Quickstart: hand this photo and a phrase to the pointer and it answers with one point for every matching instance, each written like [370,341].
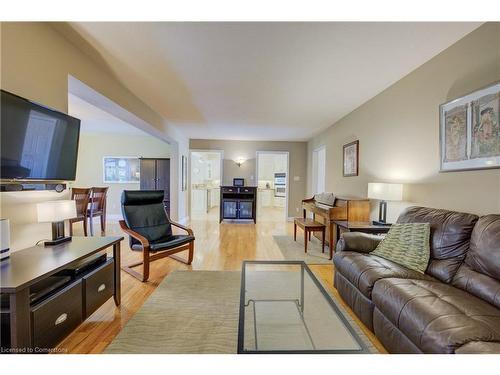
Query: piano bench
[309,226]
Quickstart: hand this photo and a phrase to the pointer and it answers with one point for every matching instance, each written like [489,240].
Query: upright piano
[343,208]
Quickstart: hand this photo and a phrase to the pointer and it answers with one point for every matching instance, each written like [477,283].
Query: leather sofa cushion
[357,241]
[436,317]
[449,240]
[480,274]
[484,253]
[173,241]
[364,270]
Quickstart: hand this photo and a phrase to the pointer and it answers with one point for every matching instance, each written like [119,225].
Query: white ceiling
[95,120]
[255,81]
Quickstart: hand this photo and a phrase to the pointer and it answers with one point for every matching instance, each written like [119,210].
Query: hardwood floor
[217,247]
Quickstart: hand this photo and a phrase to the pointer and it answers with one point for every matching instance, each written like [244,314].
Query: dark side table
[26,267]
[359,226]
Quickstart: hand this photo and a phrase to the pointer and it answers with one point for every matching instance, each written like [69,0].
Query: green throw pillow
[407,245]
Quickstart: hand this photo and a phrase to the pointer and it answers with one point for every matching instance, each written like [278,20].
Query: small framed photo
[351,159]
[121,170]
[469,131]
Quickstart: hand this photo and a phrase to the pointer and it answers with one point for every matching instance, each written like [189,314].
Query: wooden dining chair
[81,196]
[97,207]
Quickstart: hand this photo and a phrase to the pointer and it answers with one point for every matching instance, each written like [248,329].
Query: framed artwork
[184,173]
[121,170]
[351,159]
[470,131]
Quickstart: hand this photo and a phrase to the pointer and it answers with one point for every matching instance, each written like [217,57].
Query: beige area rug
[294,250]
[191,312]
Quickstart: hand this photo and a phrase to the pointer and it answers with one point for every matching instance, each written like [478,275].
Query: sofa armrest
[357,241]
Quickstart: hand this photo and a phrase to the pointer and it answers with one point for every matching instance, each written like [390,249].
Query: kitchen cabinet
[266,197]
[279,202]
[199,200]
[214,197]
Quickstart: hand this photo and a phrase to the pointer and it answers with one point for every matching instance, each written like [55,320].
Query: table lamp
[56,212]
[384,192]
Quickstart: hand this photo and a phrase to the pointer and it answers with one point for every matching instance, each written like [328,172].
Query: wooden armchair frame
[148,256]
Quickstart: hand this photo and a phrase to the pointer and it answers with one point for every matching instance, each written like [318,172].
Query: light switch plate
[296,178]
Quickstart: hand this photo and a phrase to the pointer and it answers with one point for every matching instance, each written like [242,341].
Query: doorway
[272,185]
[319,170]
[206,172]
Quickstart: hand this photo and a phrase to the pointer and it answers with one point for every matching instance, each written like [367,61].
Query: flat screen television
[37,143]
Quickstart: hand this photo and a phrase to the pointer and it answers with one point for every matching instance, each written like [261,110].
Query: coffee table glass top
[285,309]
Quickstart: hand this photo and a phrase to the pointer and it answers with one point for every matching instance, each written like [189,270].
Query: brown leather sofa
[453,308]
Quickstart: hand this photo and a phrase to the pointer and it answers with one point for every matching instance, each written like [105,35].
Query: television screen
[37,143]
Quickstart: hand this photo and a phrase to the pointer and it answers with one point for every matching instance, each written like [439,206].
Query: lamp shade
[54,211]
[385,192]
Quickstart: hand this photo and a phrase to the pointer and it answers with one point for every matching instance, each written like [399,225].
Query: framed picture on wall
[184,173]
[121,170]
[351,159]
[469,131]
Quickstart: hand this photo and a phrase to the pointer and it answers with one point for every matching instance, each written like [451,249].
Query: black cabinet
[56,317]
[238,203]
[155,175]
[44,296]
[230,209]
[245,209]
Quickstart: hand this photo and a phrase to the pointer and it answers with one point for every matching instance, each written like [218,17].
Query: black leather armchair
[150,230]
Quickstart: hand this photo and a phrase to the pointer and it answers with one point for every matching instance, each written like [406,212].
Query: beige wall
[94,147]
[248,149]
[247,170]
[398,132]
[36,62]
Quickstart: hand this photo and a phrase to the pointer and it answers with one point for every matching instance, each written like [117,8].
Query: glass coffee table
[285,309]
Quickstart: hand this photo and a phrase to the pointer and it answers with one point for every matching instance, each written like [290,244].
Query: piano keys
[343,208]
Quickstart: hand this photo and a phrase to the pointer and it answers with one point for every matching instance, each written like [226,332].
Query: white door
[319,170]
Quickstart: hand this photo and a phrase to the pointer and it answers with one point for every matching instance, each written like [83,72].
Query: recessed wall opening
[206,176]
[272,193]
[113,156]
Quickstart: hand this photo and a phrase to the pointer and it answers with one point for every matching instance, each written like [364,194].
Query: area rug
[294,250]
[191,312]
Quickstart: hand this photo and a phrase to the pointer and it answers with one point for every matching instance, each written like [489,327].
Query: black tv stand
[48,291]
[238,203]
